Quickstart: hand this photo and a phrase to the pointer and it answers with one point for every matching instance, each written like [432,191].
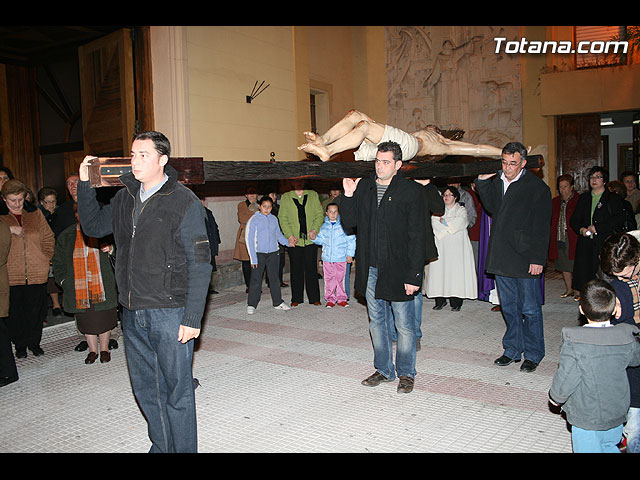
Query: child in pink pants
[338,248]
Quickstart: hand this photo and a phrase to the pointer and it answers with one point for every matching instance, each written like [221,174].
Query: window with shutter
[595,41]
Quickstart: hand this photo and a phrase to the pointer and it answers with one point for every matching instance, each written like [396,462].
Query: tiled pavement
[290,382]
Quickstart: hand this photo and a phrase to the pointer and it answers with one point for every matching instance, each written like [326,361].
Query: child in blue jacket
[338,249]
[262,235]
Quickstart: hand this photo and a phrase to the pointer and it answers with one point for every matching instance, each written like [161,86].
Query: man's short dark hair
[160,142]
[619,251]
[392,147]
[598,300]
[512,148]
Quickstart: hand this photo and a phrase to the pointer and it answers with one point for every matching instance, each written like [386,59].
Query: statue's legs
[339,130]
[360,132]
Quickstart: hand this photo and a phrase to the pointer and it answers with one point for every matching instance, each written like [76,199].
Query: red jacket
[571,234]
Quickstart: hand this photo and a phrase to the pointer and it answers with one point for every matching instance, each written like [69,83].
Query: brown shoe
[496,309]
[405,385]
[105,356]
[374,380]
[92,357]
[317,303]
[294,304]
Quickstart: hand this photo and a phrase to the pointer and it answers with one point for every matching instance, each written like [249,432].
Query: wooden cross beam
[194,171]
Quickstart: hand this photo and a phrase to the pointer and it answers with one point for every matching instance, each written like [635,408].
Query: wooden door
[108,94]
[579,147]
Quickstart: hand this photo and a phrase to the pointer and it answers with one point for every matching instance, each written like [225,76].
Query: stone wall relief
[451,77]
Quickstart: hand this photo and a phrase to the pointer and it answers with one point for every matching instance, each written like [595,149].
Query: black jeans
[304,273]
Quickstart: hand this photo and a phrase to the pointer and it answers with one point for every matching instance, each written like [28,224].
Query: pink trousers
[334,273]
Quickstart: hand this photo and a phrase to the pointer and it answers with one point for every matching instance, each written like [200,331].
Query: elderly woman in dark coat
[82,268]
[598,214]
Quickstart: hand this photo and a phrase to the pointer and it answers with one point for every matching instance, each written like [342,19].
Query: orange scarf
[86,269]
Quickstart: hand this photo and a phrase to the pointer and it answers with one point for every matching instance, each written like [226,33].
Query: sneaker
[283,306]
[330,304]
[343,304]
[251,310]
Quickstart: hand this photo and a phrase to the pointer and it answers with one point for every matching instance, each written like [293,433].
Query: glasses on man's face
[511,164]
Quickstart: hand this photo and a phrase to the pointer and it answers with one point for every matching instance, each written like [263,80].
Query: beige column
[171,86]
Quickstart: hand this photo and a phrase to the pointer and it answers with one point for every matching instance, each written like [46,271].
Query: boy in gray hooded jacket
[591,383]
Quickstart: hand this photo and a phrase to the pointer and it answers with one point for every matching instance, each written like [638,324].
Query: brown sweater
[30,255]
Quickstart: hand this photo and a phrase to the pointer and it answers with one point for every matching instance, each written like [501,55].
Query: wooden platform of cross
[196,171]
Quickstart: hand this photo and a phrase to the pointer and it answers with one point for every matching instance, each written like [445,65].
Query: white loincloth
[408,144]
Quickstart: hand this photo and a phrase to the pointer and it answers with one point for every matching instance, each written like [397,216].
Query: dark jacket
[520,225]
[433,205]
[63,272]
[623,292]
[392,235]
[162,262]
[591,380]
[608,218]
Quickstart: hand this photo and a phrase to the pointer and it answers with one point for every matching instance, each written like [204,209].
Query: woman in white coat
[453,274]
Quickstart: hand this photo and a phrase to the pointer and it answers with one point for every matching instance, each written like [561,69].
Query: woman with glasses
[620,259]
[598,214]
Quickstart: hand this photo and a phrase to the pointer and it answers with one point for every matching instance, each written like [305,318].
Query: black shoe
[503,361]
[528,366]
[113,345]
[22,353]
[439,306]
[82,346]
[455,309]
[37,351]
[57,313]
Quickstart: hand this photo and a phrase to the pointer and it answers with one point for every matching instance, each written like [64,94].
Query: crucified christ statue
[356,129]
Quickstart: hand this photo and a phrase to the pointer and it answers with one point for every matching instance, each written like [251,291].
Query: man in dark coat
[520,205]
[388,211]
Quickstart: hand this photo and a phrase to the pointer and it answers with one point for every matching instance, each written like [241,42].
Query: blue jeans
[347,286]
[417,304]
[521,300]
[161,377]
[379,328]
[596,441]
[632,430]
